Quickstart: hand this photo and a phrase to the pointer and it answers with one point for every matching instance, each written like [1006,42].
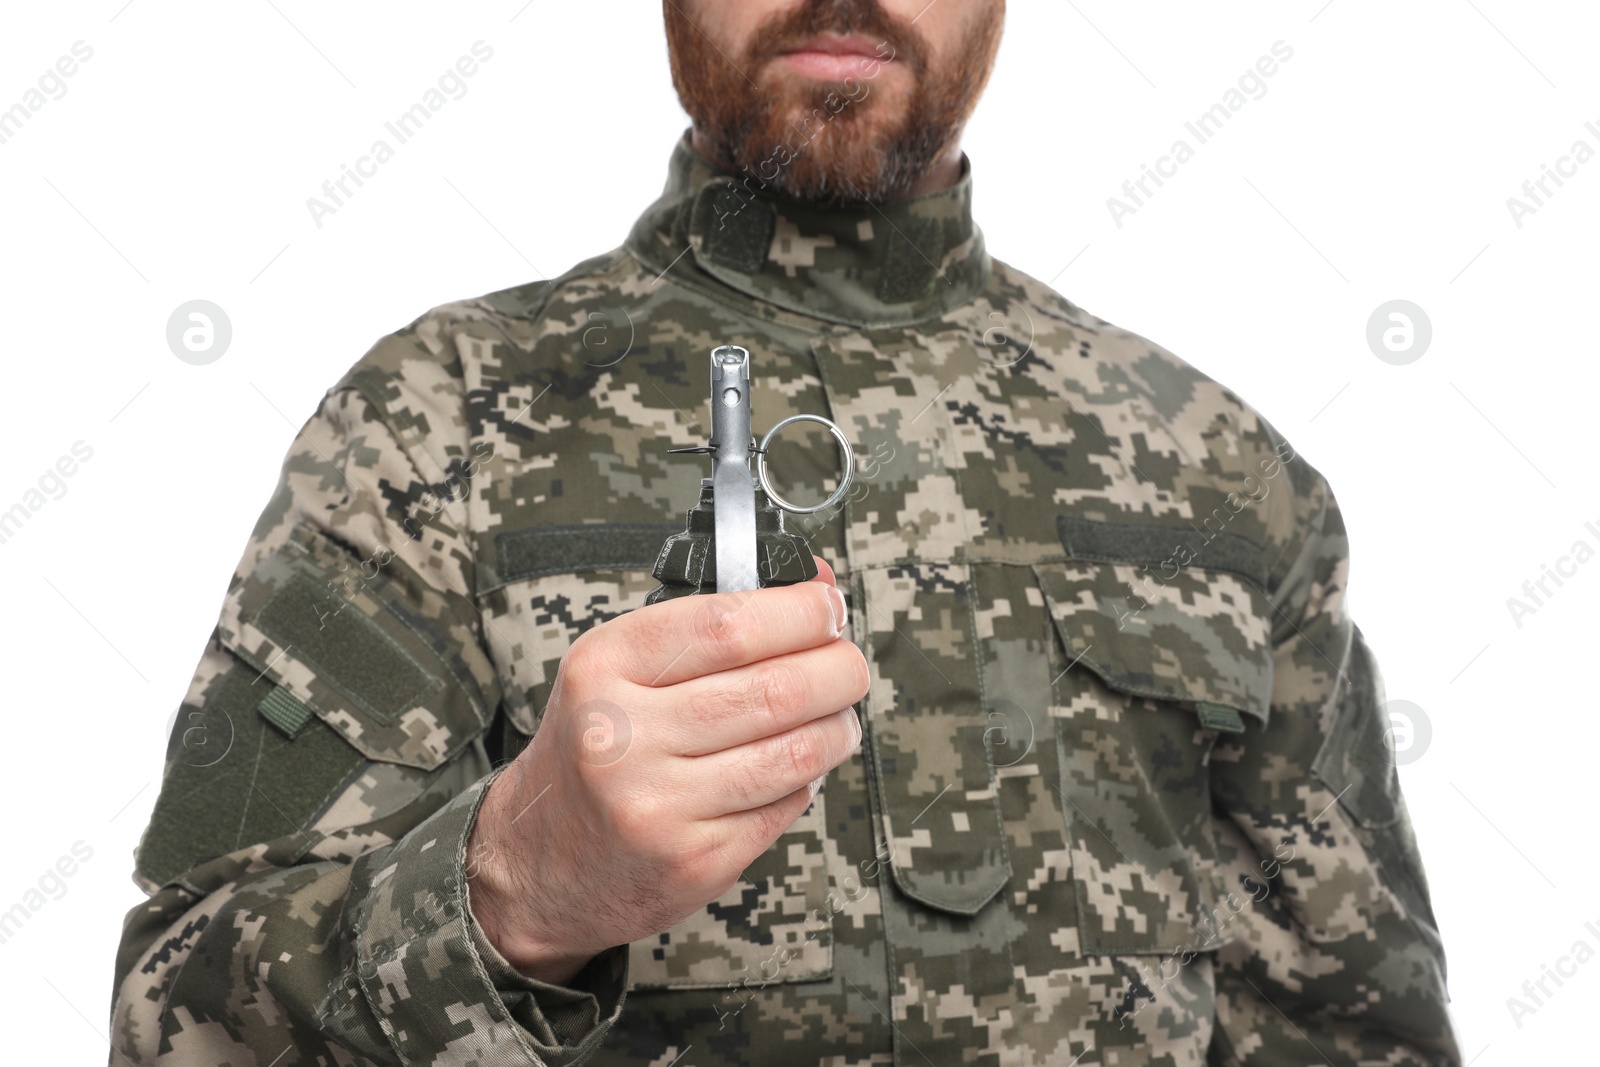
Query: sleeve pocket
[364,658]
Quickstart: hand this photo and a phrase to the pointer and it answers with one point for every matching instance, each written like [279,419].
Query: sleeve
[306,858]
[1338,958]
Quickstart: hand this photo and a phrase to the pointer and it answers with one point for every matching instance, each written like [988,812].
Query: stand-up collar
[870,266]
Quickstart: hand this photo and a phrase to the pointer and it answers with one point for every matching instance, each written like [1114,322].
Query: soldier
[445,791]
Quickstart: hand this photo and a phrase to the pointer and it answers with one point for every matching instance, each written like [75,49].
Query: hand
[679,742]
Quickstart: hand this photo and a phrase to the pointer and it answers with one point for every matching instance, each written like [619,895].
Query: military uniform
[1123,795]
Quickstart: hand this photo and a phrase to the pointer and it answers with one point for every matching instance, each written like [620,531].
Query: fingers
[736,707]
[757,774]
[824,572]
[666,643]
[742,836]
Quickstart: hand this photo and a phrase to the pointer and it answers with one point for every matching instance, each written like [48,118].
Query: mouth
[830,57]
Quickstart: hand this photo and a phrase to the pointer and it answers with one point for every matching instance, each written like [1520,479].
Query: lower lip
[831,66]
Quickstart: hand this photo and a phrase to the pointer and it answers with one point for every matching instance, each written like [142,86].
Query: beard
[836,142]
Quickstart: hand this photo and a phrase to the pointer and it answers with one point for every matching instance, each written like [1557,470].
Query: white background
[1377,166]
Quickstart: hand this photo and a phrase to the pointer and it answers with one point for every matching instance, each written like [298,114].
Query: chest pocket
[554,583]
[1155,660]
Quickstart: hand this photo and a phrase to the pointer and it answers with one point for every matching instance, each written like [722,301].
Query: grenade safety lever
[734,537]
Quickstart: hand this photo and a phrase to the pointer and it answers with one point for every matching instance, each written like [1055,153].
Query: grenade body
[687,563]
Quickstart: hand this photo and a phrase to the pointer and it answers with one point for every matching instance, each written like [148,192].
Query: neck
[945,172]
[942,173]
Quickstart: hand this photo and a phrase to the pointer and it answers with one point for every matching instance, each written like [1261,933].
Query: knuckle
[796,757]
[637,823]
[803,756]
[699,718]
[720,627]
[583,658]
[746,785]
[779,816]
[780,691]
[768,824]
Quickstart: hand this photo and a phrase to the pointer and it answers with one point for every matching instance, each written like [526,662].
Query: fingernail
[839,616]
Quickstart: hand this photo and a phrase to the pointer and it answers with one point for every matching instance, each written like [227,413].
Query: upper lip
[832,44]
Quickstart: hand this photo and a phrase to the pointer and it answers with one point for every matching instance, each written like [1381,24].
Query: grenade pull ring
[847,458]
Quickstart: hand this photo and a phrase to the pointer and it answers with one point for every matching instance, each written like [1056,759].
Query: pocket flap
[354,650]
[1197,631]
[927,736]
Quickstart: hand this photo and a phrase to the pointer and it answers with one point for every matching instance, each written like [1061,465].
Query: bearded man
[1070,753]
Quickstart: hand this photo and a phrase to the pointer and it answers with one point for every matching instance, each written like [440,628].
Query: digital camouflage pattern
[1124,795]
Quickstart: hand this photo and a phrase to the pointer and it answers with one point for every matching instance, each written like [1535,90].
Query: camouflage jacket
[1124,794]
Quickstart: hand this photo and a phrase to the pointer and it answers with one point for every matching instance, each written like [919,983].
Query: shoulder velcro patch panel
[354,651]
